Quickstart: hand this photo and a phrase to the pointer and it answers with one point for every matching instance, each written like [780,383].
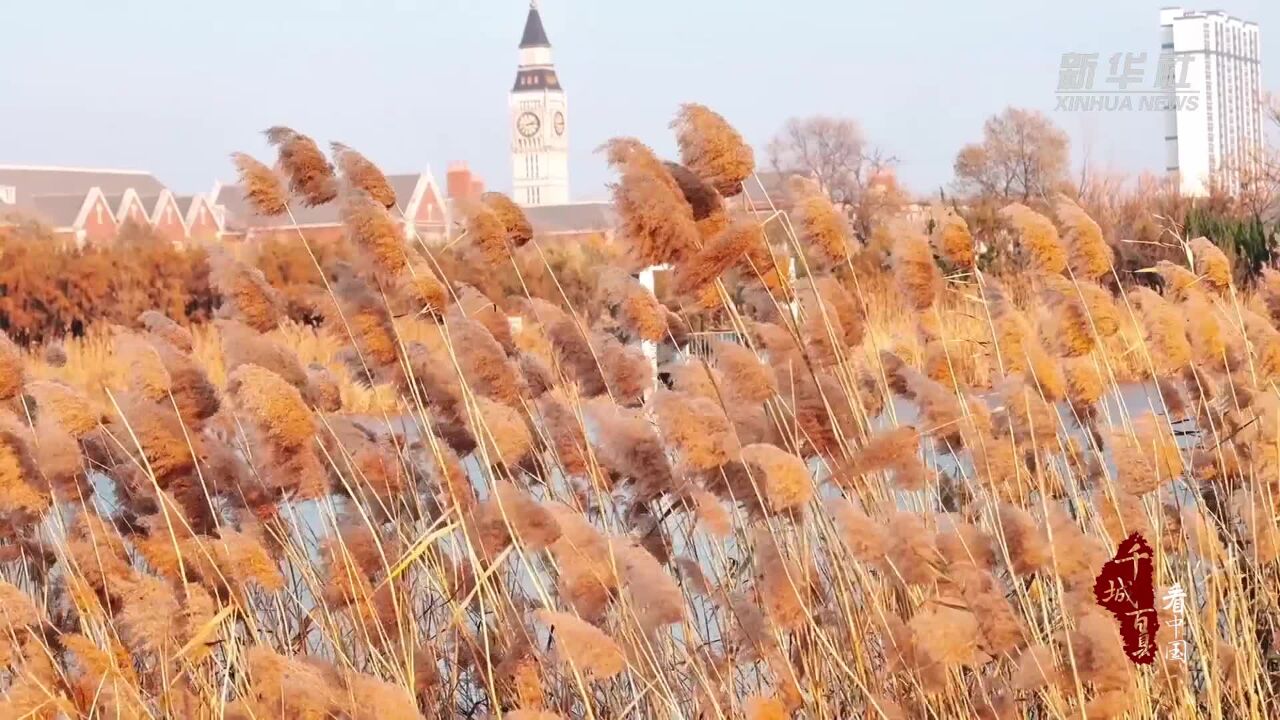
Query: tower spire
[534,34]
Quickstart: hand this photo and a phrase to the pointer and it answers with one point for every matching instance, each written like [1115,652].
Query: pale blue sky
[173,87]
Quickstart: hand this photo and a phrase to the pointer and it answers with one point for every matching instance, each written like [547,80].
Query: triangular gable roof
[189,206]
[121,203]
[425,184]
[91,199]
[158,204]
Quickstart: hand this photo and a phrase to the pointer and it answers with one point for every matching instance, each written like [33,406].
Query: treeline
[49,289]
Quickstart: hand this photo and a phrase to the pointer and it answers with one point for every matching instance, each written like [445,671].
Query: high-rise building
[539,122]
[1211,64]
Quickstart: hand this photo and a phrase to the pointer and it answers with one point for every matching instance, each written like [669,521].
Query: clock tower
[539,117]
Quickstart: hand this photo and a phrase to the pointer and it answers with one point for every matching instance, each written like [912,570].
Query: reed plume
[1088,255]
[1097,305]
[1145,457]
[786,483]
[242,345]
[361,174]
[246,294]
[897,451]
[588,574]
[1166,330]
[500,430]
[262,187]
[867,539]
[638,312]
[486,235]
[951,239]
[823,229]
[746,378]
[1039,239]
[627,443]
[655,596]
[371,228]
[422,290]
[519,230]
[916,275]
[712,149]
[483,363]
[656,223]
[275,405]
[372,330]
[310,174]
[63,404]
[707,204]
[723,251]
[1211,264]
[582,647]
[160,326]
[627,371]
[696,428]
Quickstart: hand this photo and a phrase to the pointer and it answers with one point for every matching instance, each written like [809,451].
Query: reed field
[865,479]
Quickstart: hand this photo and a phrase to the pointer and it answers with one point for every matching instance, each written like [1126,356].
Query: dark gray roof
[580,217]
[537,79]
[404,185]
[239,215]
[33,181]
[56,211]
[534,34]
[184,203]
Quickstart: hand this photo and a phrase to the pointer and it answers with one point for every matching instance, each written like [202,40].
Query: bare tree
[834,152]
[1022,155]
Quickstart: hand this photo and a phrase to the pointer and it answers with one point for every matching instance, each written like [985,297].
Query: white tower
[539,116]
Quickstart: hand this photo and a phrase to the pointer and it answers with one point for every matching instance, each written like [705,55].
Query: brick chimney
[458,182]
[477,187]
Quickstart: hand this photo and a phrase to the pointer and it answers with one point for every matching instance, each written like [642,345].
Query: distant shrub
[48,290]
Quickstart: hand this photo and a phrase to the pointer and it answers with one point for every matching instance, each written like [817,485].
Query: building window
[8,194]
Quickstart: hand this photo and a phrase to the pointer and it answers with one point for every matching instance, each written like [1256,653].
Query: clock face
[527,124]
[558,123]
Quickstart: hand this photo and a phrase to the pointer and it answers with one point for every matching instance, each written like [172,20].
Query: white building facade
[539,122]
[1213,124]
